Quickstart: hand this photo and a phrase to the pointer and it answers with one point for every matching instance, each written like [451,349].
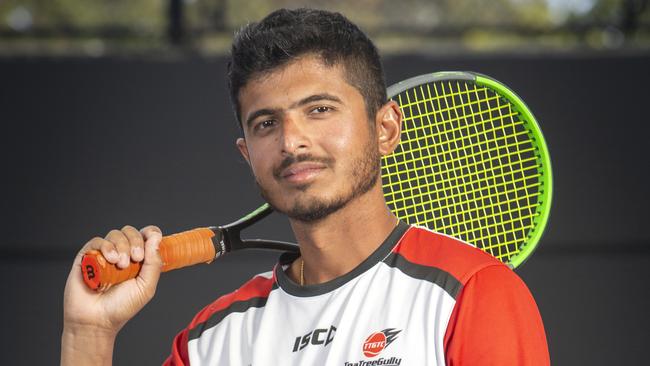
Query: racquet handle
[176,251]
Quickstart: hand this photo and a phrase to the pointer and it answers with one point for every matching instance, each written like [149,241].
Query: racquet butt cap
[90,268]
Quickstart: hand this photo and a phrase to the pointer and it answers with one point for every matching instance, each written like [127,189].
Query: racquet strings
[467,166]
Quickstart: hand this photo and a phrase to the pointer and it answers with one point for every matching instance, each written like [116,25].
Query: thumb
[152,265]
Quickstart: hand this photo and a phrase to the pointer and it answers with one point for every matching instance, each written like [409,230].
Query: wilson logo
[376,342]
[322,336]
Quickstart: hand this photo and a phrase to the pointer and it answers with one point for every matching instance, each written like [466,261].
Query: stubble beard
[363,175]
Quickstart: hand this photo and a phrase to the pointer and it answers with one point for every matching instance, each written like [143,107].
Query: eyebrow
[302,102]
[316,98]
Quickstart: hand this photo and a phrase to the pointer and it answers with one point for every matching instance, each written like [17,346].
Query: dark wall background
[90,145]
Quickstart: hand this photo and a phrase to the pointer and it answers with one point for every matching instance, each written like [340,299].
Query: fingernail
[155,243]
[112,256]
[124,260]
[137,252]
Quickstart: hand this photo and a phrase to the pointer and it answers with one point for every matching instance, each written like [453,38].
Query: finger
[136,242]
[150,271]
[150,230]
[122,246]
[107,249]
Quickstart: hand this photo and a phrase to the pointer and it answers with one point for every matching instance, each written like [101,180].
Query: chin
[307,207]
[314,210]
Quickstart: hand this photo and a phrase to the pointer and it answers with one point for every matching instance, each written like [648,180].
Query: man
[308,90]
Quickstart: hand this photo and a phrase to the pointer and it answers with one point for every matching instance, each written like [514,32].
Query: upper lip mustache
[299,167]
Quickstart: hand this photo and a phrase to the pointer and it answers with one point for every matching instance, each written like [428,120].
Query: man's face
[308,139]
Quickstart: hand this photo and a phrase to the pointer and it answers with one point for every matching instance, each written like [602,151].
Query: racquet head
[472,163]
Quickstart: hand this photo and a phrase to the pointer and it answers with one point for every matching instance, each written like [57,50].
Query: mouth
[302,173]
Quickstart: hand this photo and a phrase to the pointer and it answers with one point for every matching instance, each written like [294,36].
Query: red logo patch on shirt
[376,342]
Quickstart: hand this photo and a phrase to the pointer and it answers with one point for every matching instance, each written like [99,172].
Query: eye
[321,109]
[265,124]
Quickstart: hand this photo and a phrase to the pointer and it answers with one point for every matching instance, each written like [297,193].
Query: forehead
[300,78]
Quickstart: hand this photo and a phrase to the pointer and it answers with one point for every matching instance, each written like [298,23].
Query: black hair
[284,35]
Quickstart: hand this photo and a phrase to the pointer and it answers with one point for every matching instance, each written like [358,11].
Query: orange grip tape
[176,251]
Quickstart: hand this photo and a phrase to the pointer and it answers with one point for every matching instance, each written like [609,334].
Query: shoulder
[496,295]
[457,258]
[252,294]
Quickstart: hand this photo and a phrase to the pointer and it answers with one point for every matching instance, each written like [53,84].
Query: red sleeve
[495,322]
[179,355]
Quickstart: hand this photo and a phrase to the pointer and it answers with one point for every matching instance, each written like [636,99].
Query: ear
[243,149]
[389,127]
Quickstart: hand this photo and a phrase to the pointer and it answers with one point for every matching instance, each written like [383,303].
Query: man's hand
[93,319]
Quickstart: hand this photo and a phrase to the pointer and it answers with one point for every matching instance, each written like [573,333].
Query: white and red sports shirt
[421,298]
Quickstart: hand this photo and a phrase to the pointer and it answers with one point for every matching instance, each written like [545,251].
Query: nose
[294,136]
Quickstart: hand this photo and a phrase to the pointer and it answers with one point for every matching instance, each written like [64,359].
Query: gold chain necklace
[302,264]
[302,272]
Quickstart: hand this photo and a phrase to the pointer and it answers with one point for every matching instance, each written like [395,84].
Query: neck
[336,244]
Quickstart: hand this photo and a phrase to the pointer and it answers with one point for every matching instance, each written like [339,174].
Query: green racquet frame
[472,164]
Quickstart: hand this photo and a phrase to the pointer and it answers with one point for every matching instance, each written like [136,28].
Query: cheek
[342,138]
[260,162]
[350,138]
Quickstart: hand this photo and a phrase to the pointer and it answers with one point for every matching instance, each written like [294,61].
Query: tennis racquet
[472,163]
